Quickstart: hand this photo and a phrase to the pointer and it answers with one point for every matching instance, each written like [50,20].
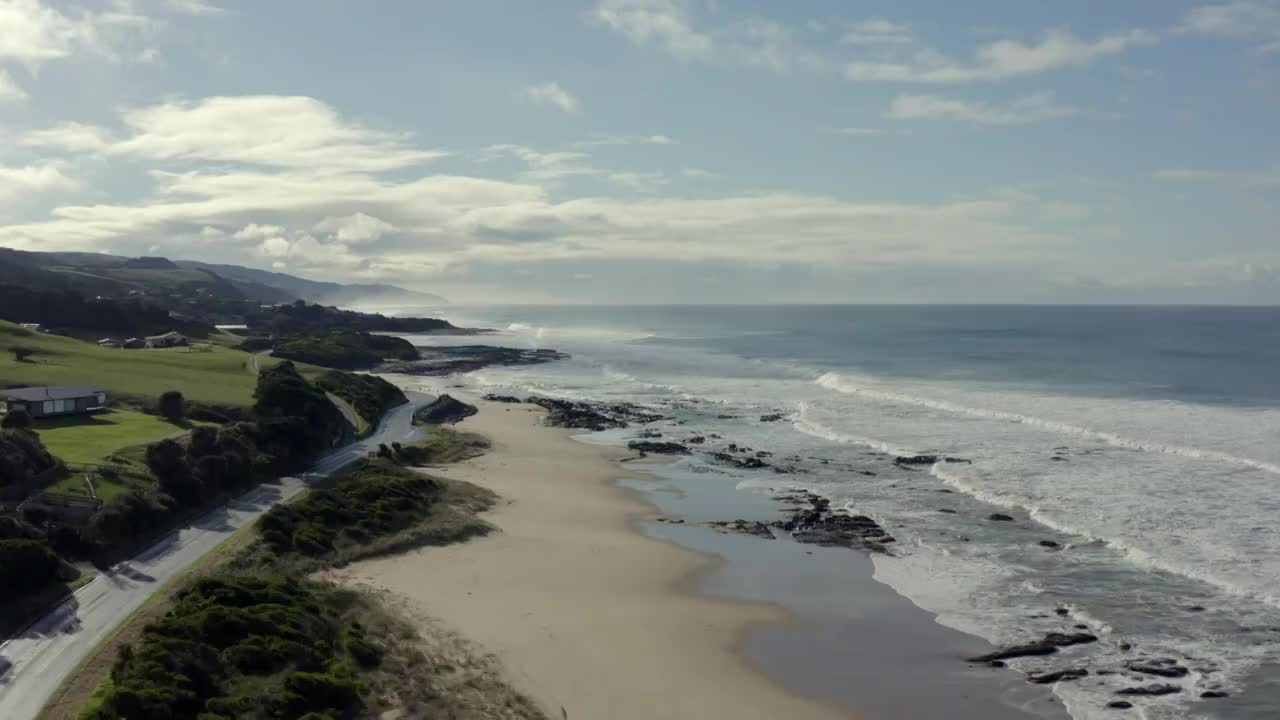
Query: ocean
[1143,441]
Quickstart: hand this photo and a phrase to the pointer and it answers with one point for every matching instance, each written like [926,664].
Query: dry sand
[585,613]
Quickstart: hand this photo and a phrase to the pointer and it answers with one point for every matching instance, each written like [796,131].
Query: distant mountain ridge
[325,293]
[93,274]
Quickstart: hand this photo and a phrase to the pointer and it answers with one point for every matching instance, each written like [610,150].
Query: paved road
[35,663]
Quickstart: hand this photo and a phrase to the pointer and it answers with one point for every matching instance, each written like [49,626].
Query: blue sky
[660,150]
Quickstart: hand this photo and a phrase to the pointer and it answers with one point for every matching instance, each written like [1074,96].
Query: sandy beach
[587,615]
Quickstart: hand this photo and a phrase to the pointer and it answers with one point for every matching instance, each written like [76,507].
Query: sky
[660,151]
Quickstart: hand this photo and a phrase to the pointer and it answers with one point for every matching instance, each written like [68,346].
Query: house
[167,340]
[73,509]
[108,343]
[33,327]
[54,400]
[134,344]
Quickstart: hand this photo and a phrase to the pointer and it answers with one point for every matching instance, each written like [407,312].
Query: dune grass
[214,375]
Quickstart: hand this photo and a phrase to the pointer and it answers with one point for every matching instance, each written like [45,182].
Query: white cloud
[1028,109]
[639,181]
[355,229]
[661,22]
[266,130]
[767,44]
[1254,20]
[41,177]
[69,137]
[551,93]
[876,32]
[254,231]
[193,7]
[697,173]
[9,90]
[34,32]
[603,140]
[1000,60]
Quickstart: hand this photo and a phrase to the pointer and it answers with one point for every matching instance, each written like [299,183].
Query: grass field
[215,375]
[89,439]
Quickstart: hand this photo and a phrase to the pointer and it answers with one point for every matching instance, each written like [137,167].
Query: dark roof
[51,392]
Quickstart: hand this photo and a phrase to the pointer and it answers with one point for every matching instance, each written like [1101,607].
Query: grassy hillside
[217,375]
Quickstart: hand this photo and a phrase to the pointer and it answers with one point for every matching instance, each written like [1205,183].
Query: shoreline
[588,613]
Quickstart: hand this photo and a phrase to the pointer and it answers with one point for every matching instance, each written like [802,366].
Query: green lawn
[216,375]
[89,439]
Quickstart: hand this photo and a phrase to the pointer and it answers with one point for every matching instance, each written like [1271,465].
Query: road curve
[37,661]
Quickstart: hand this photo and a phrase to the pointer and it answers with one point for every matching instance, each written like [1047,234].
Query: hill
[325,293]
[214,375]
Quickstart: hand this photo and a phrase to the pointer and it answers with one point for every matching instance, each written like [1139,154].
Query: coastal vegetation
[345,351]
[441,445]
[370,396]
[256,637]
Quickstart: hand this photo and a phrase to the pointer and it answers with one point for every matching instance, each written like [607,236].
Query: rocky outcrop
[772,417]
[445,409]
[1058,676]
[436,361]
[745,527]
[743,463]
[1046,646]
[928,460]
[1000,517]
[502,398]
[592,416]
[658,448]
[1162,667]
[1151,690]
[818,525]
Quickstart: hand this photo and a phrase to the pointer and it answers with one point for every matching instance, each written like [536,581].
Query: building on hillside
[134,344]
[54,400]
[108,343]
[72,509]
[33,327]
[167,340]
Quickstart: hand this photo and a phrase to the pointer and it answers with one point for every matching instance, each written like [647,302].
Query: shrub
[16,420]
[173,406]
[26,566]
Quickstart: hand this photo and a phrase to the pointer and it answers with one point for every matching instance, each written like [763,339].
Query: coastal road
[35,662]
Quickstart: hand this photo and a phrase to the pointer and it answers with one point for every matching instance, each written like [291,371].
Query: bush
[23,457]
[26,566]
[16,420]
[370,395]
[173,406]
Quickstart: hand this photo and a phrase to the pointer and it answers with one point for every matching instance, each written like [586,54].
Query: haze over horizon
[660,150]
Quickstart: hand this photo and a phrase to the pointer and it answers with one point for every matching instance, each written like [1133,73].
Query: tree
[173,406]
[22,353]
[16,420]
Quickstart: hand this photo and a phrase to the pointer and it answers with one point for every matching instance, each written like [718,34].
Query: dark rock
[1062,611]
[998,663]
[775,417]
[916,460]
[444,409]
[726,417]
[745,463]
[696,440]
[1213,694]
[1000,517]
[1151,690]
[1163,667]
[1046,646]
[1049,544]
[948,511]
[746,527]
[1119,704]
[592,416]
[449,359]
[502,398]
[1126,647]
[868,473]
[1197,608]
[1059,676]
[650,434]
[1058,458]
[1080,626]
[659,448]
